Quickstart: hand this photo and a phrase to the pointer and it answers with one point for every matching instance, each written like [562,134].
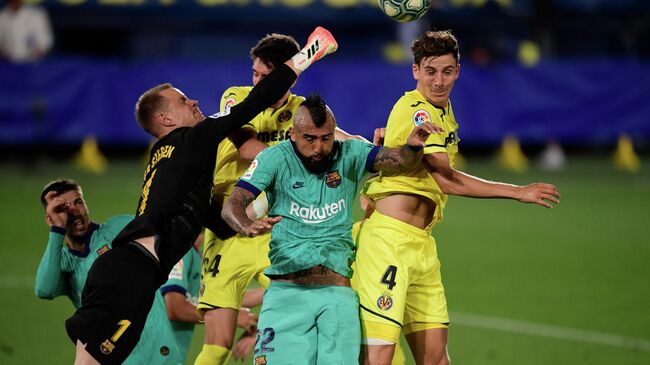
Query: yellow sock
[212,355]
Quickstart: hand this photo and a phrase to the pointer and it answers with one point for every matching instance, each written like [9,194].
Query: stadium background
[525,285]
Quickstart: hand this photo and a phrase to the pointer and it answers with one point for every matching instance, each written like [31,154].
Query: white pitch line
[543,330]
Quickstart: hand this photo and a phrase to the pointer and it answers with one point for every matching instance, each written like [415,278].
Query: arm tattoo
[234,212]
[400,158]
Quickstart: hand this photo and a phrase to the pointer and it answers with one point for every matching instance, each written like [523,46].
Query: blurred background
[549,90]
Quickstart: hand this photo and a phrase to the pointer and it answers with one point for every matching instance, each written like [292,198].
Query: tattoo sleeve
[234,211]
[397,159]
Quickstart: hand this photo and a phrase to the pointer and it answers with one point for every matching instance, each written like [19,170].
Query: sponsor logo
[249,173]
[106,347]
[260,360]
[273,136]
[313,215]
[284,116]
[333,179]
[298,185]
[421,116]
[416,104]
[102,250]
[384,302]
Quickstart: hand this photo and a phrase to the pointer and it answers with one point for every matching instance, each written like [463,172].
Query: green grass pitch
[525,285]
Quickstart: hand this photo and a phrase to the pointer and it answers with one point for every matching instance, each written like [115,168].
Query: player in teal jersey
[74,244]
[181,295]
[310,313]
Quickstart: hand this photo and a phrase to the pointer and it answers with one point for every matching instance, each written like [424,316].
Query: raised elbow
[44,294]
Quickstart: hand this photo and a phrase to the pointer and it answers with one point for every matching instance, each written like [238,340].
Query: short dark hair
[275,49]
[435,43]
[317,109]
[59,186]
[148,104]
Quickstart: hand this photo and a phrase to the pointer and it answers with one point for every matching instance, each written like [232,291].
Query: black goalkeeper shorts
[116,300]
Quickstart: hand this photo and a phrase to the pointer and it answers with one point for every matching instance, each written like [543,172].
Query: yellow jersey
[272,127]
[411,110]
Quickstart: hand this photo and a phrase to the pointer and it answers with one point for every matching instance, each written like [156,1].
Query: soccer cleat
[320,43]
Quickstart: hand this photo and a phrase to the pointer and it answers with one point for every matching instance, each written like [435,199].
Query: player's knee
[439,358]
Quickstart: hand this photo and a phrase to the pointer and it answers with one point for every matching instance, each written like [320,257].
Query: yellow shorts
[397,276]
[229,266]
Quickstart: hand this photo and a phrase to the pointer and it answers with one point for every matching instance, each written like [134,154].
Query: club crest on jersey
[230,102]
[384,302]
[106,347]
[102,250]
[249,173]
[260,360]
[333,179]
[284,116]
[421,116]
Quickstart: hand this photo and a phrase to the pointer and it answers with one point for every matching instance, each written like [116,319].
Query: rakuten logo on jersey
[313,215]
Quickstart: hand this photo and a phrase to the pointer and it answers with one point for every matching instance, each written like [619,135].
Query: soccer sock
[212,355]
[320,43]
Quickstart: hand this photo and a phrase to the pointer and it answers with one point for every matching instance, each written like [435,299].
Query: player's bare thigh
[429,346]
[220,326]
[377,354]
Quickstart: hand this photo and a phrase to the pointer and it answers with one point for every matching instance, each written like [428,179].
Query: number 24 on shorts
[213,266]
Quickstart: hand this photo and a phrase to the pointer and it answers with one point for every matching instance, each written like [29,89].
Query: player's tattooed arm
[409,155]
[397,159]
[234,213]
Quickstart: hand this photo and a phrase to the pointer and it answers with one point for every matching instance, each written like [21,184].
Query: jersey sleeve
[262,172]
[398,126]
[233,96]
[403,118]
[364,155]
[206,135]
[50,282]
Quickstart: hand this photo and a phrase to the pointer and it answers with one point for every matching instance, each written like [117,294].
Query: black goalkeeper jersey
[181,164]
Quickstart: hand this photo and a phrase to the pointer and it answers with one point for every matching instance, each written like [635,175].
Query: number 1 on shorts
[124,324]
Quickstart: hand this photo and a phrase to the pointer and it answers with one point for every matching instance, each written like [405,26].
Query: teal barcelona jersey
[316,209]
[63,271]
[185,278]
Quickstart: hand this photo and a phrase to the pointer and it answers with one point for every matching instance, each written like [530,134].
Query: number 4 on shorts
[214,266]
[389,277]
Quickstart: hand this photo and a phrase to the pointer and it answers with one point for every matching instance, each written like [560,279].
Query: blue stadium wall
[581,103]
